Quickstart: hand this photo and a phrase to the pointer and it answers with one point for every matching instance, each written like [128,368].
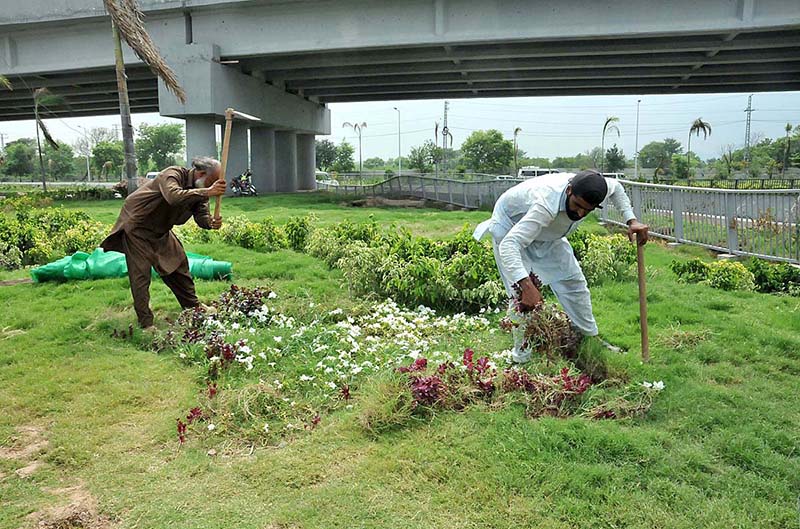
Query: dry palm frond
[5,82]
[42,97]
[128,19]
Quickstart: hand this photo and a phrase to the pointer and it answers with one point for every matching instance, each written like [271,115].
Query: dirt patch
[11,282]
[79,511]
[28,441]
[28,470]
[373,202]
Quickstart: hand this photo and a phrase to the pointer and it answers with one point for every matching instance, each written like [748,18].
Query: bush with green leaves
[774,277]
[730,275]
[607,258]
[297,230]
[264,236]
[10,256]
[726,275]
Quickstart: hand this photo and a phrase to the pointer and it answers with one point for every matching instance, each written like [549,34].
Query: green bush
[84,237]
[607,258]
[769,277]
[691,271]
[10,256]
[730,275]
[297,231]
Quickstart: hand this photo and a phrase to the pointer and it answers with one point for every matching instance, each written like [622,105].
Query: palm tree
[358,129]
[127,24]
[608,126]
[698,126]
[42,97]
[786,151]
[516,164]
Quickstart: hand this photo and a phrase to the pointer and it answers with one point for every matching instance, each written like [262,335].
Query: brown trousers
[139,256]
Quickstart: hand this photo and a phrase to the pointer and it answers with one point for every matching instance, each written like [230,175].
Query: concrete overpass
[284,60]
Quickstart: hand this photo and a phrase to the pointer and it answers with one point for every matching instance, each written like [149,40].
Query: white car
[152,175]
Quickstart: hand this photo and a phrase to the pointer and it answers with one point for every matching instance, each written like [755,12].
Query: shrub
[84,237]
[769,277]
[730,275]
[691,271]
[10,256]
[297,231]
[607,258]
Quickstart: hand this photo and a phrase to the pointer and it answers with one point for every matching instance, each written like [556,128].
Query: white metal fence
[764,223]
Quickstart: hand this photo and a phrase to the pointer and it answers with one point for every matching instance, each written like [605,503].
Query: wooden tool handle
[642,300]
[226,146]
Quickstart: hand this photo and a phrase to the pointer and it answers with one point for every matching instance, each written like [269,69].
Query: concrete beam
[554,63]
[589,90]
[212,87]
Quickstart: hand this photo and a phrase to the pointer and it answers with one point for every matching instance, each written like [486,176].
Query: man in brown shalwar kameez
[143,231]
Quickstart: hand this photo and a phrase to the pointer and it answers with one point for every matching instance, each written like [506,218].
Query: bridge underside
[675,64]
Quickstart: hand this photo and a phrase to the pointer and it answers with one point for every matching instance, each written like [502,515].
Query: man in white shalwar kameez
[529,229]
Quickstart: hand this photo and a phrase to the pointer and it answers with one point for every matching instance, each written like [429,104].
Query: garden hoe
[226,145]
[642,300]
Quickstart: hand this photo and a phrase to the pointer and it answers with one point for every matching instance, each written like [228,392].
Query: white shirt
[537,210]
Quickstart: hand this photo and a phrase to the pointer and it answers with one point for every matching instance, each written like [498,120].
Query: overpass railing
[762,223]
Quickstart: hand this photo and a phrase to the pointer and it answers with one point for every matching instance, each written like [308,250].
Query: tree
[59,161]
[344,158]
[487,151]
[608,126]
[160,143]
[42,98]
[615,159]
[680,166]
[83,145]
[786,149]
[20,156]
[658,155]
[374,163]
[109,155]
[697,127]
[593,158]
[424,156]
[516,150]
[127,24]
[326,154]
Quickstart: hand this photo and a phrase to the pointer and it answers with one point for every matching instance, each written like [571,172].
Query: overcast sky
[551,126]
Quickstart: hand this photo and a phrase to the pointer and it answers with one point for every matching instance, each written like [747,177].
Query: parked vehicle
[152,175]
[242,186]
[532,172]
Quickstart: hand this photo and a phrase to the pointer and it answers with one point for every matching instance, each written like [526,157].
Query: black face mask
[572,214]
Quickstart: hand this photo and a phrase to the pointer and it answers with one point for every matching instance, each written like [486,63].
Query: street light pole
[636,156]
[88,153]
[399,157]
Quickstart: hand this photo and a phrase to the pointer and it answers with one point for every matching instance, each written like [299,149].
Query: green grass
[719,448]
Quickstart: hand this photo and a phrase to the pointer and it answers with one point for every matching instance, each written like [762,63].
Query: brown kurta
[143,233]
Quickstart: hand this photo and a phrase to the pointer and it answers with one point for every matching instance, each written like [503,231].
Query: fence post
[636,199]
[677,213]
[436,190]
[423,186]
[464,188]
[730,222]
[410,190]
[450,191]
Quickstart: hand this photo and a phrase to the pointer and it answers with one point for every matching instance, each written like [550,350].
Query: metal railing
[737,183]
[762,223]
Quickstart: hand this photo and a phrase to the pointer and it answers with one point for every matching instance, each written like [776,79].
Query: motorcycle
[242,186]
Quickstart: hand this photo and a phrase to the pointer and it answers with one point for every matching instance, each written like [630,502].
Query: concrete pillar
[306,162]
[201,137]
[238,153]
[262,158]
[285,161]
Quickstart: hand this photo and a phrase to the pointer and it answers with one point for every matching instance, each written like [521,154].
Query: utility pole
[749,112]
[636,155]
[399,156]
[3,141]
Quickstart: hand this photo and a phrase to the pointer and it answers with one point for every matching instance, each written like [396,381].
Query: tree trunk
[125,114]
[688,156]
[39,146]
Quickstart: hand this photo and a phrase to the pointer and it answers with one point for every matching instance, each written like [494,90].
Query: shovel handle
[642,300]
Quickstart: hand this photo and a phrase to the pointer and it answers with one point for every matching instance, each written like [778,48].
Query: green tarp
[100,265]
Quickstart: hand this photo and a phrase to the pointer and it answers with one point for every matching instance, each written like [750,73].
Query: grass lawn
[719,449]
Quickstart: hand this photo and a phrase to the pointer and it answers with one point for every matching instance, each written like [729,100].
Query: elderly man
[529,228]
[143,231]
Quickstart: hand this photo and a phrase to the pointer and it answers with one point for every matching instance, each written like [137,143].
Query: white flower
[262,355]
[349,406]
[306,378]
[272,295]
[266,427]
[312,305]
[245,349]
[331,385]
[336,311]
[658,386]
[211,427]
[278,338]
[277,383]
[235,326]
[647,384]
[252,330]
[182,355]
